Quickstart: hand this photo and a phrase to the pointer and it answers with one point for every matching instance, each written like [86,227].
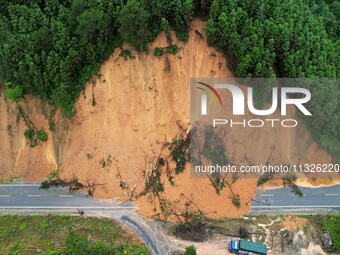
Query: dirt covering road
[138,105]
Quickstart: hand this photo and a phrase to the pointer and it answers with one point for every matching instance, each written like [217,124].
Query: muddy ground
[284,235]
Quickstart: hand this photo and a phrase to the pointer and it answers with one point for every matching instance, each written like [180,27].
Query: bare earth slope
[138,105]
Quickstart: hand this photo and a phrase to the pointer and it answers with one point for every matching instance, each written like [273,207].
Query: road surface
[29,199]
[29,196]
[314,201]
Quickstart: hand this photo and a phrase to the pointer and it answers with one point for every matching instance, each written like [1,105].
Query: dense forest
[51,48]
[296,39]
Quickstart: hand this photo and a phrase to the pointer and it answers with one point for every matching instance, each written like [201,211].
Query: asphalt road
[314,200]
[29,196]
[29,199]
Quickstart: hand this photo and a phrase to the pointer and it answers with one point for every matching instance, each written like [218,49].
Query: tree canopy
[331,224]
[52,48]
[296,39]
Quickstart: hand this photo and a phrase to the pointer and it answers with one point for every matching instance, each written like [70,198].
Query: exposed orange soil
[16,157]
[138,105]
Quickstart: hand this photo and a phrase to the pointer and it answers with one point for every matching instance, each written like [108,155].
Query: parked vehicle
[243,247]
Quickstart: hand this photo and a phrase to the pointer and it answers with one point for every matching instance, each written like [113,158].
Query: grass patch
[332,225]
[65,235]
[12,178]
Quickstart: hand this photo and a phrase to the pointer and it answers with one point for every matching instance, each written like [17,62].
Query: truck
[244,247]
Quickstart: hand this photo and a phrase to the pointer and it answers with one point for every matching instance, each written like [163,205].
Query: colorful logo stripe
[209,92]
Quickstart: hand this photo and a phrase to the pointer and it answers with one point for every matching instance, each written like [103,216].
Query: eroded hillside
[139,104]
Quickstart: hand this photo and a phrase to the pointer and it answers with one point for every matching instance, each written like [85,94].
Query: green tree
[14,93]
[165,25]
[89,25]
[132,19]
[294,39]
[178,13]
[191,250]
[51,48]
[331,224]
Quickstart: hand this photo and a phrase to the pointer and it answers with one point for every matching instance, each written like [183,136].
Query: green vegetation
[218,184]
[42,135]
[64,235]
[236,200]
[32,133]
[158,52]
[52,48]
[104,162]
[153,184]
[53,175]
[132,19]
[191,250]
[264,179]
[29,134]
[290,182]
[331,224]
[14,178]
[55,181]
[73,185]
[50,118]
[179,152]
[14,93]
[290,39]
[168,15]
[173,49]
[126,54]
[11,179]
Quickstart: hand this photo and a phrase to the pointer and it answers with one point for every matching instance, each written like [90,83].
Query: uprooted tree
[73,184]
